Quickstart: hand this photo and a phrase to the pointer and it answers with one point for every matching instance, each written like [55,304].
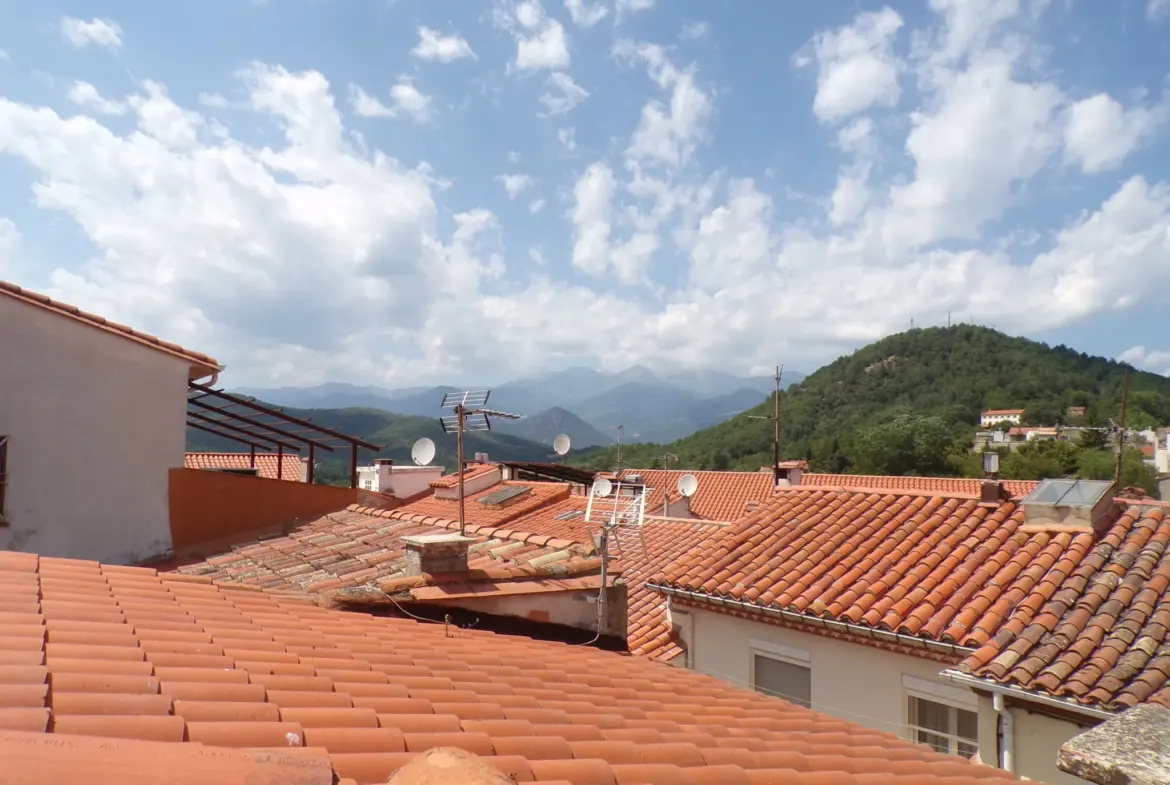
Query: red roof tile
[201,364]
[477,514]
[930,567]
[942,485]
[363,547]
[1097,630]
[267,464]
[538,711]
[472,471]
[721,495]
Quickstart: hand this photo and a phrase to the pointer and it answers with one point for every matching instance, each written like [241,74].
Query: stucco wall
[852,681]
[1036,742]
[95,421]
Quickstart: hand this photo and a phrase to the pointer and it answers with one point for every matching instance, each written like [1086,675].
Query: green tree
[1039,460]
[907,444]
[1102,465]
[1094,439]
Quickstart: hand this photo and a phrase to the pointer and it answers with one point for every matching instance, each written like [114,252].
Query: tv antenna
[774,417]
[615,504]
[470,414]
[561,445]
[423,452]
[667,459]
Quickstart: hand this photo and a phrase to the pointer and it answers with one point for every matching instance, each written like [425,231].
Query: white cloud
[541,41]
[625,7]
[592,217]
[1101,132]
[1157,10]
[692,31]
[535,206]
[857,68]
[99,32]
[667,133]
[1156,360]
[563,94]
[849,200]
[515,184]
[586,13]
[86,95]
[213,100]
[568,139]
[433,45]
[405,99]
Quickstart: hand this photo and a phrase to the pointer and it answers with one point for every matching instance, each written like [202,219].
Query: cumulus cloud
[856,66]
[585,13]
[515,184]
[405,99]
[1101,132]
[433,45]
[98,32]
[563,95]
[87,96]
[541,41]
[1156,360]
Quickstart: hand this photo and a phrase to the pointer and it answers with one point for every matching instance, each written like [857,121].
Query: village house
[993,417]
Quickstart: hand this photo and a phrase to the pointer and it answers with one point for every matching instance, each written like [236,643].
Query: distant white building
[385,476]
[1162,455]
[993,417]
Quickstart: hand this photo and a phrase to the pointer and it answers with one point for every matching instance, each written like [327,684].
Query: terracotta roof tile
[542,708]
[268,464]
[1097,631]
[941,485]
[362,547]
[472,471]
[932,567]
[201,364]
[722,496]
[477,514]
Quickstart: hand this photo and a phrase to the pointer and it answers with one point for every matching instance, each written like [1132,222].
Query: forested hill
[951,373]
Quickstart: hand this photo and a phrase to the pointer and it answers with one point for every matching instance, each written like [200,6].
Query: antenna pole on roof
[602,599]
[1121,433]
[620,429]
[775,418]
[470,415]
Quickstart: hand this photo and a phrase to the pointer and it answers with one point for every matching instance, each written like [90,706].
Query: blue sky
[410,191]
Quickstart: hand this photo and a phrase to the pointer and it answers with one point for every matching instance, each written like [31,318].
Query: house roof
[124,652]
[268,464]
[363,547]
[943,485]
[201,365]
[432,507]
[472,471]
[928,567]
[994,412]
[1096,630]
[721,495]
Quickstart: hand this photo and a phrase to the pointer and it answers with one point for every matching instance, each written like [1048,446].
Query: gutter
[1024,696]
[816,621]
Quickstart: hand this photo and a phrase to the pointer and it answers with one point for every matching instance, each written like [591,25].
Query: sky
[402,192]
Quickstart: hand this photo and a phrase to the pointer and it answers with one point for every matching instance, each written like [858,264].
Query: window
[3,474]
[783,679]
[948,729]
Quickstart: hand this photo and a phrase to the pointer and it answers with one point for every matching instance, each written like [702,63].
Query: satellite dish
[423,451]
[688,484]
[602,487]
[561,444]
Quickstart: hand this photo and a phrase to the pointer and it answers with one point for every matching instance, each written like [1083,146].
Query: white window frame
[954,698]
[782,653]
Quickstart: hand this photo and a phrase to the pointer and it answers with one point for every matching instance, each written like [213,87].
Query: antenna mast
[470,415]
[620,430]
[775,418]
[1121,433]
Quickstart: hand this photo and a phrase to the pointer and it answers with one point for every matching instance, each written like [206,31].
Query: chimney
[991,492]
[481,457]
[436,553]
[384,467]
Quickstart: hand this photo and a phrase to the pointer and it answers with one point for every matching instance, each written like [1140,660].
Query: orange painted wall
[211,506]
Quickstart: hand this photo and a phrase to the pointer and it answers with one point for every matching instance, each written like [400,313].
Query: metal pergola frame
[264,428]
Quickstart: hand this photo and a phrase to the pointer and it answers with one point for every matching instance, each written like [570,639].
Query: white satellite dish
[688,484]
[561,444]
[602,487]
[423,451]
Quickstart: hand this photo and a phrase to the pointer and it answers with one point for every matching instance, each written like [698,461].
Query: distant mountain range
[586,404]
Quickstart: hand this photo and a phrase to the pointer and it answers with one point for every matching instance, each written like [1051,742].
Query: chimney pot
[436,553]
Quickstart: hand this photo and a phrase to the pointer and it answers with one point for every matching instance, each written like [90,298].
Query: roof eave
[1028,696]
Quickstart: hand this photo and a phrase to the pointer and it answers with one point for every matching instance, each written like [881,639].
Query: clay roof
[267,464]
[201,364]
[124,652]
[363,547]
[433,507]
[721,495]
[931,567]
[1096,630]
[942,485]
[472,471]
[1002,411]
[641,556]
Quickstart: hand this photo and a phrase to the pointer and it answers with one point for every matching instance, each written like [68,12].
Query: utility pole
[775,418]
[1121,433]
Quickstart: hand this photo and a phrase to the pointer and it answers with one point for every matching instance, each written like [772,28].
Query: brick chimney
[436,553]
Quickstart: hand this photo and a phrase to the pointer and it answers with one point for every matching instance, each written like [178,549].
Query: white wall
[858,683]
[1036,744]
[95,421]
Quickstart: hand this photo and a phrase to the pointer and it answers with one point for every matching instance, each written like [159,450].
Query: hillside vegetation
[945,375]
